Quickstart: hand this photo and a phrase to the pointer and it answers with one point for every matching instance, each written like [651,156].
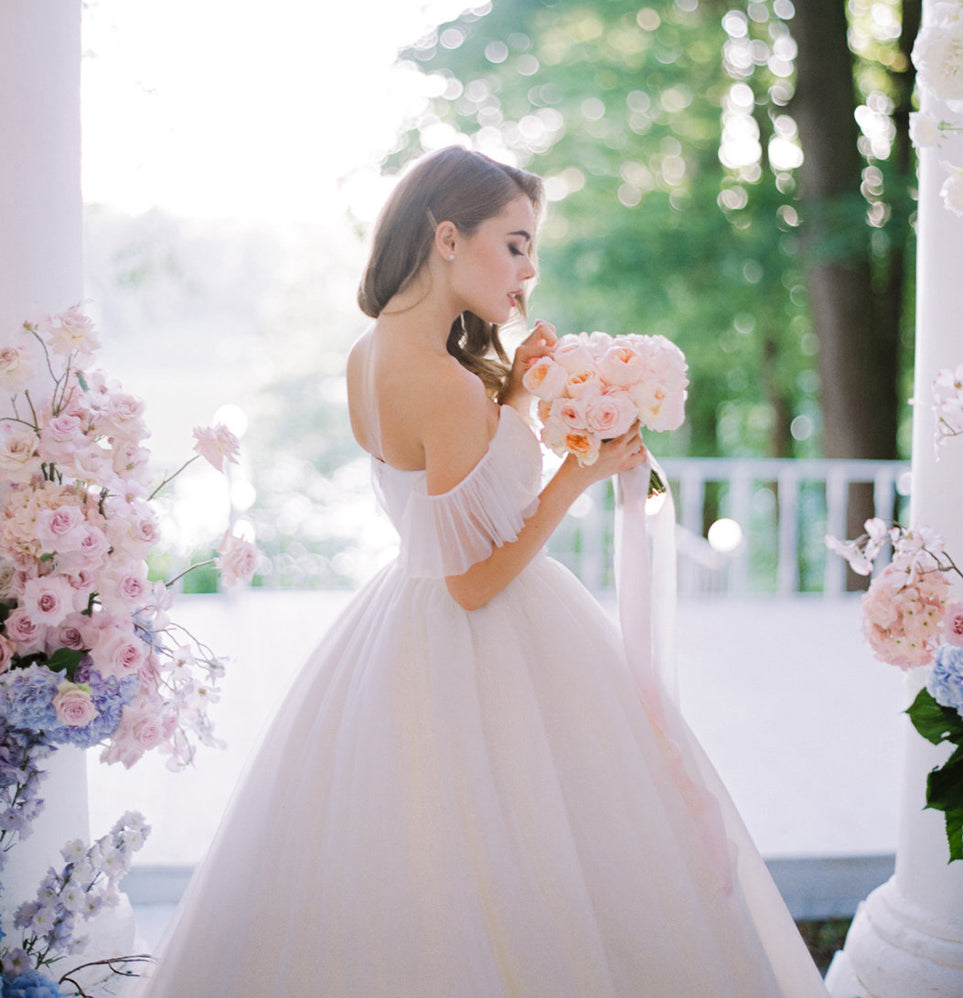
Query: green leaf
[954,834]
[944,786]
[65,660]
[933,721]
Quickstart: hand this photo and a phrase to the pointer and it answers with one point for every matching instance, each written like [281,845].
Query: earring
[451,256]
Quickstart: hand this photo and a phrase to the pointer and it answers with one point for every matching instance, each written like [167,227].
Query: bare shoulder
[458,420]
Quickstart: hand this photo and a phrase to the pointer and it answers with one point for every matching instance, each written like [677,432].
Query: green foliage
[665,136]
[944,785]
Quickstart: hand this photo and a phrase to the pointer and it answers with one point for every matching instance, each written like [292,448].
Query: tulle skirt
[478,804]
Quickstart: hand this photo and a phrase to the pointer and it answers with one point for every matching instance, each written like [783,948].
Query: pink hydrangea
[903,614]
[953,625]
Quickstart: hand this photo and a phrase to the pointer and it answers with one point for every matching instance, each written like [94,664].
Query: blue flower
[946,680]
[33,984]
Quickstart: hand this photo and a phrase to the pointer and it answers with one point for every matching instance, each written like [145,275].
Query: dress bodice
[446,534]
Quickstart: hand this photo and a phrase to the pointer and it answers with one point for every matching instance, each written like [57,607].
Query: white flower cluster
[69,897]
[938,57]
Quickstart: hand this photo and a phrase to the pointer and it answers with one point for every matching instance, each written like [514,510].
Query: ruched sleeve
[448,533]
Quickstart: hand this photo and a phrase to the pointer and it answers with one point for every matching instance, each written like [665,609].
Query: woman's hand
[539,342]
[615,456]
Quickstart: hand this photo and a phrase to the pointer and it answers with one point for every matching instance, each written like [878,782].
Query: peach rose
[545,379]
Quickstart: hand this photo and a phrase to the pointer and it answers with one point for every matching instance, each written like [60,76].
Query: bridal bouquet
[912,617]
[88,654]
[594,386]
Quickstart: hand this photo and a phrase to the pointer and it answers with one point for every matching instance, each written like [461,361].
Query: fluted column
[907,937]
[41,271]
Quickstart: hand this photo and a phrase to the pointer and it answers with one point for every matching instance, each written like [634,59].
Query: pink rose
[953,625]
[117,651]
[48,599]
[19,460]
[216,444]
[71,632]
[71,331]
[144,725]
[621,365]
[583,383]
[73,705]
[574,354]
[26,633]
[610,414]
[59,529]
[545,379]
[236,560]
[570,413]
[17,366]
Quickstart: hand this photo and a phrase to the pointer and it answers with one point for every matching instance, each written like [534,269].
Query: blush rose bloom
[117,651]
[19,460]
[545,379]
[73,705]
[573,353]
[71,331]
[236,560]
[17,366]
[48,599]
[216,444]
[610,414]
[621,365]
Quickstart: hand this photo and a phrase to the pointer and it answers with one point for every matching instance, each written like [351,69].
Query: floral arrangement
[912,617]
[88,654]
[65,900]
[938,57]
[593,387]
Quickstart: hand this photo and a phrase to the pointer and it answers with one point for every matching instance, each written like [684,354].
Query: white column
[41,243]
[907,937]
[41,271]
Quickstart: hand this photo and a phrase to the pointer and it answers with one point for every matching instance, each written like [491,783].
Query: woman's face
[492,265]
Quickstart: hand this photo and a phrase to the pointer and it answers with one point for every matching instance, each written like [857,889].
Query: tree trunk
[857,345]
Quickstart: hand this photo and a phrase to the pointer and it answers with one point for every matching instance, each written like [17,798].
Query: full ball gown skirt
[456,804]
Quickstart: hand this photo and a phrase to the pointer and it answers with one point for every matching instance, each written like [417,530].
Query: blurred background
[737,176]
[734,174]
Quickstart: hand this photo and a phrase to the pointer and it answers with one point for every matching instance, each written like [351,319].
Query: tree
[670,136]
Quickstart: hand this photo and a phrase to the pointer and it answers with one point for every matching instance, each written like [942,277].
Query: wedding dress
[456,804]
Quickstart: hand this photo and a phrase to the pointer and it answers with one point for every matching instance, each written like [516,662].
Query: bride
[463,795]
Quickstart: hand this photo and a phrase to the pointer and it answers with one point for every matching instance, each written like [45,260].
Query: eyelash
[515,251]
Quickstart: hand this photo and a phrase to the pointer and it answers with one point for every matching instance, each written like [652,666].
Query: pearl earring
[451,256]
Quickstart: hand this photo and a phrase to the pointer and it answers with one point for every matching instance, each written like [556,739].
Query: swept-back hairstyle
[459,186]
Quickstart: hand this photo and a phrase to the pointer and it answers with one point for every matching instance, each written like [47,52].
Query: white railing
[783,509]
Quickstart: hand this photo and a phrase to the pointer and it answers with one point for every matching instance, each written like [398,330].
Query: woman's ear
[446,238]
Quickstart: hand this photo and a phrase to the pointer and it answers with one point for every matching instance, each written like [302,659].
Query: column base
[895,948]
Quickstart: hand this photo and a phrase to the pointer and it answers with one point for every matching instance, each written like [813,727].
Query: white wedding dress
[456,804]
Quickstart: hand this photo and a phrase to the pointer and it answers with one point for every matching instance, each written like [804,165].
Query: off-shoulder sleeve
[446,534]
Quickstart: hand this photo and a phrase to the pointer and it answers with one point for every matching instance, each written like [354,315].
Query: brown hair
[462,187]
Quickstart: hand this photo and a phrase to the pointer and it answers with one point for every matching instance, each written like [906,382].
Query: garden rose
[584,446]
[236,560]
[26,633]
[938,56]
[73,705]
[48,599]
[72,331]
[610,414]
[19,460]
[216,444]
[17,367]
[621,365]
[545,378]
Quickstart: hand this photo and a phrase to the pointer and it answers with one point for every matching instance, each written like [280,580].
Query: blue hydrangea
[33,984]
[946,680]
[26,696]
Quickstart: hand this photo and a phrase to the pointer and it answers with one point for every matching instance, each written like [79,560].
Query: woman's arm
[487,578]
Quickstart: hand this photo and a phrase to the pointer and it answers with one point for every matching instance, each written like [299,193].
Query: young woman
[464,796]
